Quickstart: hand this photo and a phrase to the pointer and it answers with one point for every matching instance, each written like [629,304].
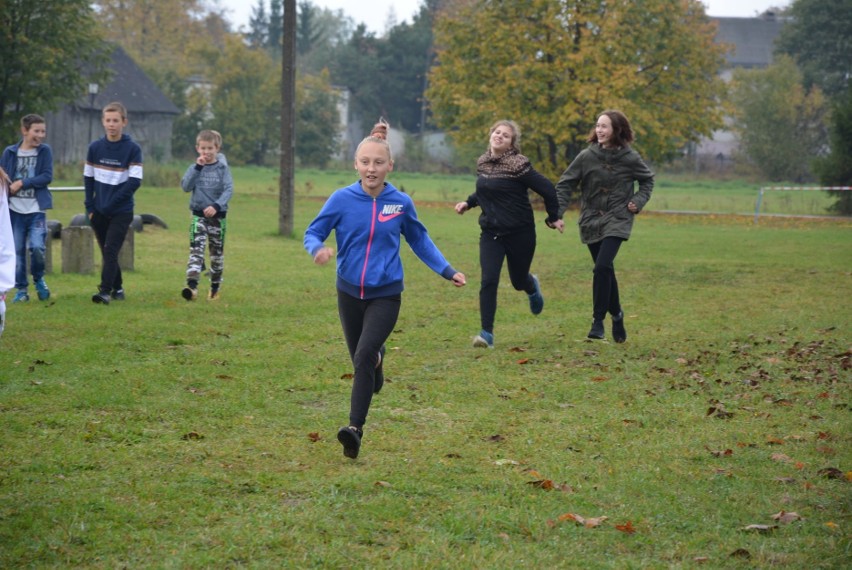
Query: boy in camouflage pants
[210,182]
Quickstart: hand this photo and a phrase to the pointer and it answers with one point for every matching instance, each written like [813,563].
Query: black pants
[518,250]
[604,284]
[367,324]
[111,231]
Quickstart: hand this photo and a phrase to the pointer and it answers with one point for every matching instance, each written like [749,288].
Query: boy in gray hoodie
[212,186]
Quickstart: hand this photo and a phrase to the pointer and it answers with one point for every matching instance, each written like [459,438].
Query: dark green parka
[606,179]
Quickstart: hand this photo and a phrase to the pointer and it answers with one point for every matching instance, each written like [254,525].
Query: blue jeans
[30,231]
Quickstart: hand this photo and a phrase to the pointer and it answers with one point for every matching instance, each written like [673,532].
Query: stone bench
[78,250]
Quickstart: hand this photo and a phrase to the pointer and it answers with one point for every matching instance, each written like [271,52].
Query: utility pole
[286,189]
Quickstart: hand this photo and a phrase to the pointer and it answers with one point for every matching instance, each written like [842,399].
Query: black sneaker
[597,330]
[619,333]
[117,294]
[101,298]
[380,375]
[350,437]
[189,293]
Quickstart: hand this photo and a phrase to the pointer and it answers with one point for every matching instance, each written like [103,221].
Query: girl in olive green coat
[605,174]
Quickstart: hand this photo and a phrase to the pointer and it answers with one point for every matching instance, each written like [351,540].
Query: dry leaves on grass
[591,522]
[761,528]
[786,517]
[314,436]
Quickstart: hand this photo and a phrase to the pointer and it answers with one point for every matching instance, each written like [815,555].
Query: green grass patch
[161,433]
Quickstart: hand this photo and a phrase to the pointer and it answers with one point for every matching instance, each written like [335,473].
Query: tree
[781,124]
[836,168]
[818,38]
[276,27]
[405,58]
[553,65]
[161,34]
[245,101]
[51,49]
[308,34]
[356,65]
[317,118]
[258,25]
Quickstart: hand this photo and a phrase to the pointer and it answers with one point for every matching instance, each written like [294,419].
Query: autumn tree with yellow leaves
[554,65]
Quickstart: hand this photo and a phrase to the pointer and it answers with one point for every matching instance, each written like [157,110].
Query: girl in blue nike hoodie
[368,218]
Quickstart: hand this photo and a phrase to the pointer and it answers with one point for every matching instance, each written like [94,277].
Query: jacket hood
[609,153]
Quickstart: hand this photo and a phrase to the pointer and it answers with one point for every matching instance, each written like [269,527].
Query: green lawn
[161,433]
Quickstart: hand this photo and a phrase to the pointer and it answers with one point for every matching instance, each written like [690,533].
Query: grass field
[166,434]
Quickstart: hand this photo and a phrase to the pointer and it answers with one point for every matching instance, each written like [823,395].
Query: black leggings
[604,285]
[367,324]
[518,250]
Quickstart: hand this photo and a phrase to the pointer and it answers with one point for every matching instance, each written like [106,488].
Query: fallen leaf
[720,412]
[191,436]
[763,528]
[594,522]
[781,458]
[785,480]
[347,376]
[517,349]
[774,441]
[586,522]
[545,484]
[786,517]
[721,453]
[700,559]
[523,361]
[382,484]
[314,436]
[831,473]
[503,536]
[626,527]
[496,437]
[506,462]
[453,456]
[831,524]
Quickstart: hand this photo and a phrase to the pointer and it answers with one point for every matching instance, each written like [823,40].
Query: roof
[130,85]
[753,39]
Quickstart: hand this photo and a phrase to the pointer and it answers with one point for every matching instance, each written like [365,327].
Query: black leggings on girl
[518,249]
[604,285]
[367,324]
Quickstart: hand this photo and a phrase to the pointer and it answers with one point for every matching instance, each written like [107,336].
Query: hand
[634,209]
[462,207]
[557,225]
[459,280]
[323,255]
[15,186]
[209,212]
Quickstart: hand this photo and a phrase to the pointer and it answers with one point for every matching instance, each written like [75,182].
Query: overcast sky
[376,13]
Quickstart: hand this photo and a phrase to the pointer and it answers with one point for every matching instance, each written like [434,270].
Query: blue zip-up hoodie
[367,231]
[112,174]
[44,172]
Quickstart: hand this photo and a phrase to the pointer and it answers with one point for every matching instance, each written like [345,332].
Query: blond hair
[379,135]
